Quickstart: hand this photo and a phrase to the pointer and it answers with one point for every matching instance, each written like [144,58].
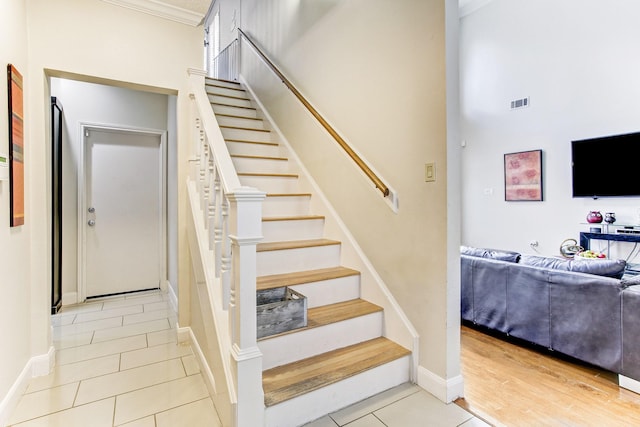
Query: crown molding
[162,10]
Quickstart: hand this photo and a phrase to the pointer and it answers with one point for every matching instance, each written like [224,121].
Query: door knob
[91,223]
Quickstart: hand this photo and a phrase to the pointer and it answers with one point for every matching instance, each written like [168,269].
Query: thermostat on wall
[4,167]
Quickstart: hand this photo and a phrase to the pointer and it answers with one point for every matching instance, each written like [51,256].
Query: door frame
[82,196]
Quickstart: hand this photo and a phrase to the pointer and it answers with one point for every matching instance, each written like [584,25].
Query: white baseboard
[629,383]
[445,390]
[36,366]
[184,334]
[70,298]
[202,361]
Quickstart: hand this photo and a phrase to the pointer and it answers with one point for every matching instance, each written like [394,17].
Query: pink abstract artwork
[523,176]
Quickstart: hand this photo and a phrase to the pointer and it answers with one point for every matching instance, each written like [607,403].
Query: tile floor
[118,364]
[404,406]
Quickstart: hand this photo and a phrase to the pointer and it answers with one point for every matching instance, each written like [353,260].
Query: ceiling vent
[519,103]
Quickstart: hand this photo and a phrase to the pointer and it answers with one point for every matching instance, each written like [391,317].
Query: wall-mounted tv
[607,166]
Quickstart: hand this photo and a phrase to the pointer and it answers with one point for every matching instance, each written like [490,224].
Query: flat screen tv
[607,166]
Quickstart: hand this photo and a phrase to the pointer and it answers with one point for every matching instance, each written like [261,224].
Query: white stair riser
[282,231]
[318,403]
[246,135]
[223,83]
[291,347]
[234,111]
[249,149]
[285,205]
[240,122]
[291,260]
[229,101]
[244,164]
[215,90]
[271,184]
[330,291]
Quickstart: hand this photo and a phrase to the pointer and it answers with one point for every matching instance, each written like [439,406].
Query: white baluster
[225,267]
[217,227]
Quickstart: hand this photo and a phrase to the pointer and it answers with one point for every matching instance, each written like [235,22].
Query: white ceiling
[189,12]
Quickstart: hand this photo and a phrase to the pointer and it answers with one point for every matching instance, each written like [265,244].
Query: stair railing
[225,65]
[232,219]
[377,181]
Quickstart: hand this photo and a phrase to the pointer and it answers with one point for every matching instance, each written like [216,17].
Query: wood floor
[510,384]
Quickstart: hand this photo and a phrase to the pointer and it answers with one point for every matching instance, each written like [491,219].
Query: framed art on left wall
[16,146]
[523,176]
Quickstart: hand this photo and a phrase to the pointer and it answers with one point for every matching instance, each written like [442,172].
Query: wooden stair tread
[233,116]
[291,218]
[302,277]
[243,128]
[278,175]
[294,244]
[245,141]
[242,98]
[222,87]
[231,105]
[288,381]
[211,79]
[245,156]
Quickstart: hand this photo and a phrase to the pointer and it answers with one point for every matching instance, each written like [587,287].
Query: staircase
[341,356]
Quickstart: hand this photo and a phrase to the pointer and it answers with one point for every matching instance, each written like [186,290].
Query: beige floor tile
[61,320]
[105,314]
[197,414]
[164,305]
[34,405]
[142,422]
[422,409]
[475,422]
[378,401]
[191,365]
[93,351]
[147,316]
[78,328]
[75,372]
[145,356]
[119,303]
[80,308]
[325,421]
[162,337]
[158,398]
[97,414]
[125,381]
[129,330]
[371,421]
[72,340]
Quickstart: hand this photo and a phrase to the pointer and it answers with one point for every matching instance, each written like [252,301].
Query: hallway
[118,364]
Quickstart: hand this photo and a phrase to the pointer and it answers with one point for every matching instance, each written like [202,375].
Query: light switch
[429,172]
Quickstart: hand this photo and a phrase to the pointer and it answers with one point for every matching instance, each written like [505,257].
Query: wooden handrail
[345,146]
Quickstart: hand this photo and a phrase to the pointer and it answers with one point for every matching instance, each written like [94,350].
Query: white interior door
[123,211]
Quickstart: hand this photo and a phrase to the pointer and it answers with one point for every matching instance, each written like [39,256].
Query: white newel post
[245,231]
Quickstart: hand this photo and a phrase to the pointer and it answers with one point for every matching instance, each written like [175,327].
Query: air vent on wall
[520,103]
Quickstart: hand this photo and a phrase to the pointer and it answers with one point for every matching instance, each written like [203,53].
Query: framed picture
[16,147]
[523,176]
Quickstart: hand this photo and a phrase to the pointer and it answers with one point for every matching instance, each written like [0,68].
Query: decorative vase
[610,217]
[594,217]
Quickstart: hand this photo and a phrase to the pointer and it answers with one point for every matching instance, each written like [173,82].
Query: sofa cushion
[497,254]
[601,267]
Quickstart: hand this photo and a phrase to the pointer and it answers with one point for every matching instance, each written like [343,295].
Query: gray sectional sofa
[581,308]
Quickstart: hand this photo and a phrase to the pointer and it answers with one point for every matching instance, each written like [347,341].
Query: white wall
[376,71]
[15,257]
[577,61]
[100,42]
[90,103]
